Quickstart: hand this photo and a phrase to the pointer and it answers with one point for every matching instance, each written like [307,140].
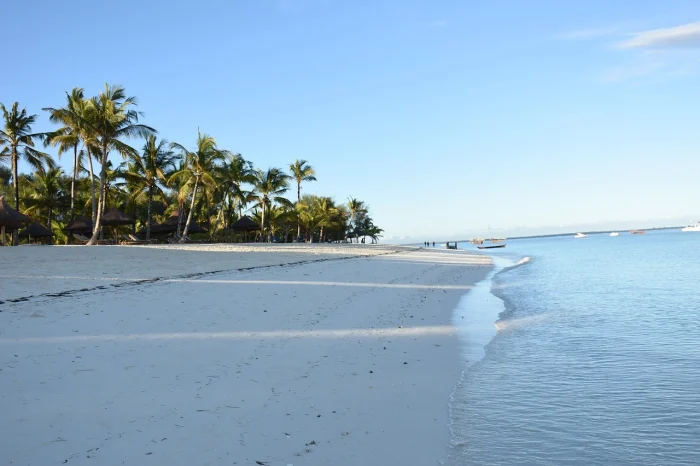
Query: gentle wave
[514,324]
[594,360]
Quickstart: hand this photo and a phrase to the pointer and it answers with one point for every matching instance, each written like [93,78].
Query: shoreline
[323,361]
[477,330]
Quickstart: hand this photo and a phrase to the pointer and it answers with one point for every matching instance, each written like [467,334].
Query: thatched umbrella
[36,230]
[194,228]
[115,217]
[170,226]
[172,221]
[81,224]
[245,224]
[9,217]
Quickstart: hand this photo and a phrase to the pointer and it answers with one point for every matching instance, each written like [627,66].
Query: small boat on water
[694,227]
[495,246]
[615,233]
[638,232]
[580,235]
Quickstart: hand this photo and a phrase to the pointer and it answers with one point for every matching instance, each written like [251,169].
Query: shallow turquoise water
[597,360]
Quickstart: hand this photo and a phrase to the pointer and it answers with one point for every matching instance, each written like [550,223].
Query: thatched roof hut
[35,230]
[170,226]
[81,224]
[114,217]
[244,224]
[10,218]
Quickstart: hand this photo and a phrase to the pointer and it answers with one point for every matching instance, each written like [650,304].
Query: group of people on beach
[427,244]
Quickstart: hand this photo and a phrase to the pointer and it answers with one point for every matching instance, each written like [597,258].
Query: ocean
[596,360]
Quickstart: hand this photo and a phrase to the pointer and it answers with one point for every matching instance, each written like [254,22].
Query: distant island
[584,232]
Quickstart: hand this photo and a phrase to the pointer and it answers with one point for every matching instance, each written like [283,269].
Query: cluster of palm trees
[204,183]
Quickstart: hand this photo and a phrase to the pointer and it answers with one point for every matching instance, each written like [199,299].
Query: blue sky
[446,117]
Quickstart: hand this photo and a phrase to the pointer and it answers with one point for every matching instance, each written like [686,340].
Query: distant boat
[694,227]
[496,246]
[614,233]
[496,240]
[580,235]
[638,232]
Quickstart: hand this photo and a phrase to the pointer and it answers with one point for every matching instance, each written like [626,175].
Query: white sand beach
[229,355]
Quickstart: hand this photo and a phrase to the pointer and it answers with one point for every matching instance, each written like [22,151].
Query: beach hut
[173,219]
[194,226]
[114,218]
[10,218]
[245,224]
[170,226]
[35,230]
[81,224]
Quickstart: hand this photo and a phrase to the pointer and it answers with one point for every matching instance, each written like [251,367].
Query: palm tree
[181,186]
[280,217]
[234,172]
[326,208]
[69,136]
[199,168]
[18,140]
[5,177]
[373,231]
[357,209]
[47,193]
[89,137]
[147,170]
[110,116]
[301,171]
[269,186]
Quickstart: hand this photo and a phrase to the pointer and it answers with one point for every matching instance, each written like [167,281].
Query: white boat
[580,235]
[615,233]
[693,227]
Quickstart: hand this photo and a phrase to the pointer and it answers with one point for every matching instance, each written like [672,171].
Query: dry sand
[214,355]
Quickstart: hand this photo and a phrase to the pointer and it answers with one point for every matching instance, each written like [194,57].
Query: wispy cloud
[663,52]
[684,36]
[438,24]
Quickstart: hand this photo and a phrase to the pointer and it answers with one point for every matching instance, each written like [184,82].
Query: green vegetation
[202,183]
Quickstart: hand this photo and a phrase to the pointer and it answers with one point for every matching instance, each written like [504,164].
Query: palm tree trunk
[320,236]
[262,222]
[189,216]
[72,183]
[15,179]
[15,183]
[148,217]
[92,188]
[49,226]
[180,207]
[102,199]
[298,202]
[219,216]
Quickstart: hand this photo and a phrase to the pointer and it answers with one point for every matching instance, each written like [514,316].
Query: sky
[449,118]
